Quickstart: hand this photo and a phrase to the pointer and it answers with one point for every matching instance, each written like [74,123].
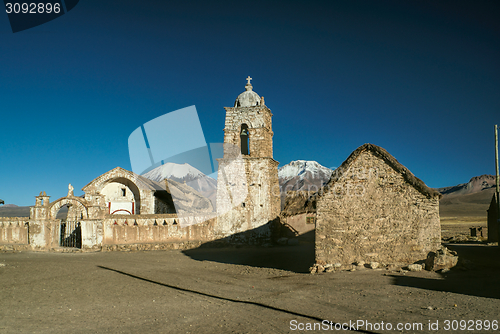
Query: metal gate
[71,234]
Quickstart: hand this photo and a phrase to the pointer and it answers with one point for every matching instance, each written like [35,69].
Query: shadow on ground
[296,258]
[476,274]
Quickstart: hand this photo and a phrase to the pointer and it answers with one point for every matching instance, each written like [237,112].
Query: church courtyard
[235,290]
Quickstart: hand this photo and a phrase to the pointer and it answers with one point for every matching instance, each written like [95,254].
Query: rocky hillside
[476,184]
[470,199]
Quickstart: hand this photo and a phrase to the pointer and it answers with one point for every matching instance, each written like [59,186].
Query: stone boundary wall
[114,232]
[13,231]
[154,232]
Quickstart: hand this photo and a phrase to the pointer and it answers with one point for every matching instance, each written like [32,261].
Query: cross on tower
[248,80]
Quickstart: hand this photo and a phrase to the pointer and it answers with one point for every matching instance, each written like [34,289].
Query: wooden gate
[70,234]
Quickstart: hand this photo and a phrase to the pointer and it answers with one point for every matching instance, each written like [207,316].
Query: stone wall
[301,223]
[372,213]
[153,230]
[13,232]
[255,201]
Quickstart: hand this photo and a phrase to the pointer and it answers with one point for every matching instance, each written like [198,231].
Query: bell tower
[249,169]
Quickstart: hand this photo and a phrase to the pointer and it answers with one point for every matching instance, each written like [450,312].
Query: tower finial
[248,80]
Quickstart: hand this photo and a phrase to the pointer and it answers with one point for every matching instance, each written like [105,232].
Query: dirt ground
[237,290]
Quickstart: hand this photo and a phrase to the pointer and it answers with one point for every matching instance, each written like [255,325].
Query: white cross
[248,80]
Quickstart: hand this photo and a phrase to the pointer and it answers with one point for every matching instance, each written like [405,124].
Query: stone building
[248,168]
[374,209]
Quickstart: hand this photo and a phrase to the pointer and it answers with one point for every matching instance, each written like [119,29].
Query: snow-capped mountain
[304,169]
[302,175]
[185,173]
[173,171]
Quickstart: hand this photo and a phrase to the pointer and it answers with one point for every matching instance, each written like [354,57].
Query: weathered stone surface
[441,259]
[415,267]
[373,265]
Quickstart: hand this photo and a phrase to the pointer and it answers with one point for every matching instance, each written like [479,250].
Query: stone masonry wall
[153,230]
[258,120]
[13,231]
[261,203]
[371,214]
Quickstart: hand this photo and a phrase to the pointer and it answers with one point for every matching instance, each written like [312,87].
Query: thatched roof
[389,160]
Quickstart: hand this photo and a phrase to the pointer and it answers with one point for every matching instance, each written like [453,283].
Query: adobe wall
[299,223]
[154,232]
[372,214]
[13,233]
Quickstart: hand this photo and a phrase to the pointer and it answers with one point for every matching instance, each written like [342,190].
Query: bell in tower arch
[245,140]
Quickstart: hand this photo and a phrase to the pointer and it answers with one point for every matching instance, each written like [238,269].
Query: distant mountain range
[470,199]
[476,184]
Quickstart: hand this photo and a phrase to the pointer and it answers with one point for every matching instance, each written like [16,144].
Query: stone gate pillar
[42,229]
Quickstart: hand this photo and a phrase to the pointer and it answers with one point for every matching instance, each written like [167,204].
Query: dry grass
[455,226]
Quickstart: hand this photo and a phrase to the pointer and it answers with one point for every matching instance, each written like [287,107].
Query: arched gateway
[70,228]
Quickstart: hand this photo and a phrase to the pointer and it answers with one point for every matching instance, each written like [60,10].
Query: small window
[124,191]
[242,205]
[310,220]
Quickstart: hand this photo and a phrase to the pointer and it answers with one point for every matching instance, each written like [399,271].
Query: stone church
[121,209]
[373,208]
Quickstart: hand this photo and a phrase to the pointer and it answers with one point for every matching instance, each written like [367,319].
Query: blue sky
[419,78]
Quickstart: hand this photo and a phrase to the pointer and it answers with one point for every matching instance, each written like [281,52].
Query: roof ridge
[391,161]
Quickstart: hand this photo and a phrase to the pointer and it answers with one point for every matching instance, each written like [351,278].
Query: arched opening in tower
[245,140]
